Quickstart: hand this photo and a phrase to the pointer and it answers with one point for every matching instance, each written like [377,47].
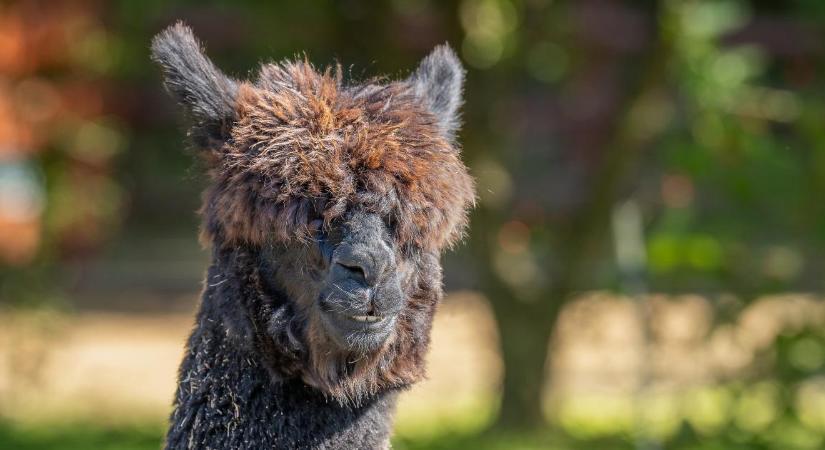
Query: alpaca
[328,207]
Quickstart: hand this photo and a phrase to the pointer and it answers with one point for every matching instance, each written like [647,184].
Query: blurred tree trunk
[527,321]
[524,337]
[524,326]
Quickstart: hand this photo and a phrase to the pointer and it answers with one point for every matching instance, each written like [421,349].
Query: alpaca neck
[229,398]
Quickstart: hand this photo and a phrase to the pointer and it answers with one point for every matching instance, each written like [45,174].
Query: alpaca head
[346,194]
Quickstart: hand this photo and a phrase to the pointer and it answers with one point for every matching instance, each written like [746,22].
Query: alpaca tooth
[365,318]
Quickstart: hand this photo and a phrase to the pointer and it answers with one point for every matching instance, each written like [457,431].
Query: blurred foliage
[60,199]
[739,201]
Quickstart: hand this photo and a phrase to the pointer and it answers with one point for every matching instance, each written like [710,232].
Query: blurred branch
[624,150]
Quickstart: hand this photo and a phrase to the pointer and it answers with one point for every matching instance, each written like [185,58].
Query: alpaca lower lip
[365,322]
[357,324]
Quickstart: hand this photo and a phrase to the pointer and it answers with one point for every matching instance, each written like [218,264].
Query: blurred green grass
[78,436]
[84,436]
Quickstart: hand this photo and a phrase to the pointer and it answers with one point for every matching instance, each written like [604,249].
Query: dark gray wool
[328,208]
[227,398]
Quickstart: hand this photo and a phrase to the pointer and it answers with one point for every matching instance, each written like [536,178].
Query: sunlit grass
[79,436]
[86,435]
[422,418]
[707,418]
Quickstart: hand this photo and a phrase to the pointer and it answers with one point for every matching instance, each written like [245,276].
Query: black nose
[362,263]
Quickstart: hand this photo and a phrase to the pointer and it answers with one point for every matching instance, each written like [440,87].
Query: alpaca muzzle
[363,295]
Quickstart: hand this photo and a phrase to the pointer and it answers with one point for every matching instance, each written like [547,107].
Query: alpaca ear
[194,81]
[439,81]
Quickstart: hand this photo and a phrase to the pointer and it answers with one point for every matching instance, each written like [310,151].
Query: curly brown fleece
[304,145]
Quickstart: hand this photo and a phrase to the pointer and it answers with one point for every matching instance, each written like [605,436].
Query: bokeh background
[645,264]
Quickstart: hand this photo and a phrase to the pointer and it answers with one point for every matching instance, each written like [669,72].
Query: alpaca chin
[347,375]
[351,379]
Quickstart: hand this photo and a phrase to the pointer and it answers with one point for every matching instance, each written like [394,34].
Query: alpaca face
[348,283]
[348,193]
[362,307]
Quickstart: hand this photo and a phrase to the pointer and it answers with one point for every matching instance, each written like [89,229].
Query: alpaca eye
[315,225]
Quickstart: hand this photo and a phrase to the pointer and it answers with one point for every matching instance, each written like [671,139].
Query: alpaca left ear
[439,81]
[193,80]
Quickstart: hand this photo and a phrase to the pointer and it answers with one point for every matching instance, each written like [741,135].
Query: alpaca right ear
[193,80]
[439,81]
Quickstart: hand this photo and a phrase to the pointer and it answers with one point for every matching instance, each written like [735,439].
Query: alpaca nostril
[354,269]
[359,263]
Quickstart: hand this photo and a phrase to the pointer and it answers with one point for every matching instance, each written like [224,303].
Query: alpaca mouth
[346,323]
[367,319]
[358,331]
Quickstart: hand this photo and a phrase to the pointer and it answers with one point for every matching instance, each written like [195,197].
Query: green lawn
[89,436]
[85,436]
[81,436]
